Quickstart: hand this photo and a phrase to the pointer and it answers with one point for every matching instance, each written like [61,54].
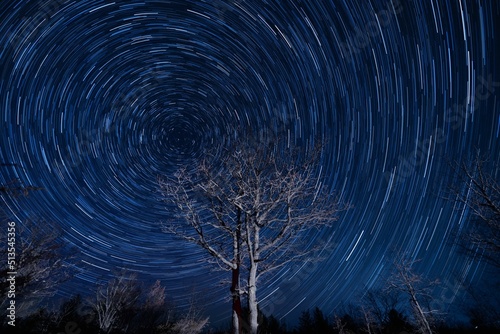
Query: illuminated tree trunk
[236,301]
[254,255]
[252,299]
[420,313]
[235,279]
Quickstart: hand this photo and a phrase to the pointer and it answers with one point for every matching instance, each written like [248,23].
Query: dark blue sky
[99,98]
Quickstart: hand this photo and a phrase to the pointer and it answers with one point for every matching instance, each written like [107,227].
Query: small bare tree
[154,312]
[113,298]
[417,290]
[250,209]
[156,296]
[340,325]
[368,320]
[193,322]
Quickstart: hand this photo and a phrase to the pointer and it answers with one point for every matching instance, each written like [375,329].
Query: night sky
[98,99]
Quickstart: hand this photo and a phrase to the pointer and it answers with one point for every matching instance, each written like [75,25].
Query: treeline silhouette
[79,316]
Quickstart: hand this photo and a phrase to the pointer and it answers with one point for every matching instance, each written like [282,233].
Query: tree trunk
[254,252]
[423,318]
[235,279]
[252,298]
[235,292]
[420,314]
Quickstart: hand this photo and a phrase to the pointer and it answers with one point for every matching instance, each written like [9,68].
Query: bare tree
[210,223]
[481,194]
[368,319]
[340,325]
[281,200]
[418,292]
[192,322]
[154,312]
[251,207]
[41,262]
[35,251]
[186,321]
[156,296]
[113,298]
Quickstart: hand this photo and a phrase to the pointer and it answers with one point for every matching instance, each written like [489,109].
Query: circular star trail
[98,99]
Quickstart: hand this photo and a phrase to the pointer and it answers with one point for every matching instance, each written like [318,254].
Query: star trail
[99,98]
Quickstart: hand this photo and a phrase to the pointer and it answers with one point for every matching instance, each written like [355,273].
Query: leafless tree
[113,298]
[250,208]
[192,322]
[281,200]
[41,263]
[368,319]
[155,297]
[340,325]
[479,191]
[154,312]
[418,291]
[210,223]
[36,253]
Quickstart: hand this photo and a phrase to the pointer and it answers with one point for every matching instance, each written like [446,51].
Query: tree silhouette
[305,323]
